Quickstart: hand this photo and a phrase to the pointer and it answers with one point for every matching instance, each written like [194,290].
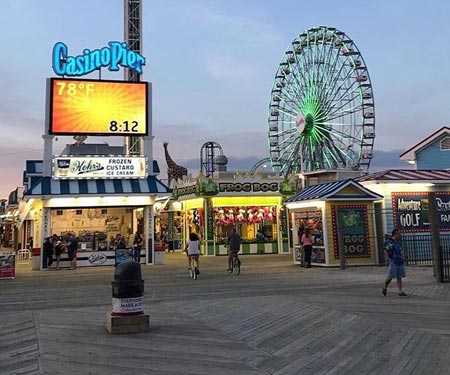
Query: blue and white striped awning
[333,191]
[48,187]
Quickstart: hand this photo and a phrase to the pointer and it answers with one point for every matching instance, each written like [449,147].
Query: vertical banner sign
[170,225]
[355,231]
[209,219]
[150,231]
[210,222]
[45,223]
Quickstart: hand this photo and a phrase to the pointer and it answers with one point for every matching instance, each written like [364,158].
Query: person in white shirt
[193,248]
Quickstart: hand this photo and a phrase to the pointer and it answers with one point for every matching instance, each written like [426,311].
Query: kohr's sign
[117,54]
[99,167]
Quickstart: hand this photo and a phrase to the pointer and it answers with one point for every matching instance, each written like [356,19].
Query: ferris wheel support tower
[133,38]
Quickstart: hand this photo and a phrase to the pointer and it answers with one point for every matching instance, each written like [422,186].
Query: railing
[445,261]
[417,249]
[418,252]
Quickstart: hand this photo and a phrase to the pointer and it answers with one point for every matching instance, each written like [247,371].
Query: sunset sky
[212,65]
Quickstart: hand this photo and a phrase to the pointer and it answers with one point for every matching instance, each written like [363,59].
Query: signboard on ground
[7,266]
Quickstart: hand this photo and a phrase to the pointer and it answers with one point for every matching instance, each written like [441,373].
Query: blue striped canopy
[46,186]
[331,191]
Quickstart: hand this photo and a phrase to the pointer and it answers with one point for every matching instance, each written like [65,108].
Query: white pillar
[45,231]
[48,154]
[149,231]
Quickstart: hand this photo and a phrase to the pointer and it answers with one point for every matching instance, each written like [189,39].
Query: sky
[212,66]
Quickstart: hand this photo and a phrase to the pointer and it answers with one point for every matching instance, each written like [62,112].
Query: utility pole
[133,38]
[340,238]
[435,236]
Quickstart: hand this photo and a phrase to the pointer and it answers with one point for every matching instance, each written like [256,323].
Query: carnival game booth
[405,207]
[328,209]
[249,203]
[98,212]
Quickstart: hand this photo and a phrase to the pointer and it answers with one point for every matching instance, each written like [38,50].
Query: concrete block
[127,324]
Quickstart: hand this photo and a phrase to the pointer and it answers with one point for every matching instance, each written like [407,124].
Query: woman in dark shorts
[59,248]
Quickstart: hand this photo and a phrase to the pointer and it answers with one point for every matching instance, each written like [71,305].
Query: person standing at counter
[138,241]
[234,246]
[48,251]
[260,235]
[307,241]
[72,247]
[59,248]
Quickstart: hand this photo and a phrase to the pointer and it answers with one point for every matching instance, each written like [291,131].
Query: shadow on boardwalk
[274,318]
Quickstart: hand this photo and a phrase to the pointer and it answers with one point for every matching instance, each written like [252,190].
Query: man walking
[394,253]
[234,246]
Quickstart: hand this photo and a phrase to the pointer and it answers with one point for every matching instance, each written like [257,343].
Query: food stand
[247,202]
[343,208]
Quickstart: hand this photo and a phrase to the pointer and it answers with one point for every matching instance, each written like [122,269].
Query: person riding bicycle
[193,249]
[234,246]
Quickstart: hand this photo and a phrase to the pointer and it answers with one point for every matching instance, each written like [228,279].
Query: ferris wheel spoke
[290,139]
[341,138]
[345,97]
[336,124]
[302,82]
[291,101]
[291,133]
[346,92]
[334,79]
[333,73]
[347,111]
[290,153]
[331,51]
[324,60]
[341,92]
[287,113]
[346,108]
[344,80]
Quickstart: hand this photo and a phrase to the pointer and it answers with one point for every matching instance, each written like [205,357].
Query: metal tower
[133,38]
[212,158]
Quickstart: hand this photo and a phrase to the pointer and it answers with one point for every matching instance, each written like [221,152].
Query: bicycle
[193,270]
[235,264]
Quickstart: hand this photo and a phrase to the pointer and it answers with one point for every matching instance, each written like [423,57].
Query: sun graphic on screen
[99,107]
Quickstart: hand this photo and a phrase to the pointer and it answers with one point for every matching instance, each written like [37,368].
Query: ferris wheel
[322,113]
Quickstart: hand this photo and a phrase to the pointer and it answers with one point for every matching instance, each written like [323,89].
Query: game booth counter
[251,203]
[328,209]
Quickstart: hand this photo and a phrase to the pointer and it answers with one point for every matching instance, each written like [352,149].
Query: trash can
[128,290]
[36,258]
[159,255]
[127,315]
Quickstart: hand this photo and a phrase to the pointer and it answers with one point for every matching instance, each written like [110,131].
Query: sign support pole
[435,236]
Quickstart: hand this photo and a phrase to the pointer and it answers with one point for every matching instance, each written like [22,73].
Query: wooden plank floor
[274,318]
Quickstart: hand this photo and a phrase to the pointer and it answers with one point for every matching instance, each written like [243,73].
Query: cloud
[235,47]
[388,160]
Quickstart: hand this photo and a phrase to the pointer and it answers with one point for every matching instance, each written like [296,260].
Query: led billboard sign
[95,107]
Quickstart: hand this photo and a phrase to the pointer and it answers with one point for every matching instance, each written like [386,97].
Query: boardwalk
[275,318]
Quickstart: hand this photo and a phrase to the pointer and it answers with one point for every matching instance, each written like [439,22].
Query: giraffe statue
[174,171]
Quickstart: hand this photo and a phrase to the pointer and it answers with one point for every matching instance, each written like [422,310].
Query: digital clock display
[95,107]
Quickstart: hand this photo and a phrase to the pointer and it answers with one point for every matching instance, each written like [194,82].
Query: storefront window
[195,220]
[98,229]
[253,223]
[313,220]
